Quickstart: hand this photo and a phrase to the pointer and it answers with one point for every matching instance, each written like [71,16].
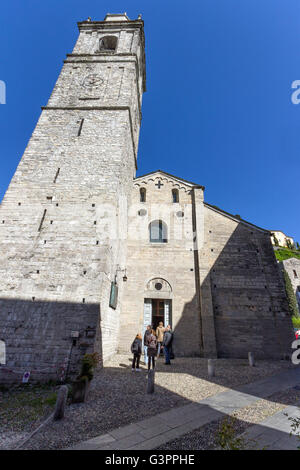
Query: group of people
[154,342]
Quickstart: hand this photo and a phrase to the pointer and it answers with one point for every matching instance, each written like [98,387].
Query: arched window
[108,44]
[175,195]
[158,232]
[142,195]
[2,352]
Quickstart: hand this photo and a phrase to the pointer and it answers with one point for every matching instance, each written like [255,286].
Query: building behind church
[278,238]
[91,253]
[292,267]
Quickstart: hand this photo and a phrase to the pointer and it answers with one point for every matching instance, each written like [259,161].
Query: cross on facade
[159,184]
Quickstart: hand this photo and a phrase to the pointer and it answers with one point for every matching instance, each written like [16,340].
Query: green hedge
[286,253]
[296,322]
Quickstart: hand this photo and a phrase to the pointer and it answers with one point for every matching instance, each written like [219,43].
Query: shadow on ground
[118,396]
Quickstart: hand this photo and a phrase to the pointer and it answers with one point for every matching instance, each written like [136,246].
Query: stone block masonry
[249,300]
[217,273]
[58,260]
[75,217]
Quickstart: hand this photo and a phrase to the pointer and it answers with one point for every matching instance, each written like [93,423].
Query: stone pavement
[274,432]
[157,430]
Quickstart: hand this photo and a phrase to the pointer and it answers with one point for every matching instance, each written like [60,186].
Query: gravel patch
[118,395]
[22,409]
[205,437]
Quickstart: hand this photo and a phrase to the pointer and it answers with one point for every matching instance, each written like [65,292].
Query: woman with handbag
[152,349]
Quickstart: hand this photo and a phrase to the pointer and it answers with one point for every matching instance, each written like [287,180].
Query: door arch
[157,302]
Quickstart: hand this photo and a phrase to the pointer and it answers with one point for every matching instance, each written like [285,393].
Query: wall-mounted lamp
[122,270]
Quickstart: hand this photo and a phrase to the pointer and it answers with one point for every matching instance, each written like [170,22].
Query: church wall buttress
[248,297]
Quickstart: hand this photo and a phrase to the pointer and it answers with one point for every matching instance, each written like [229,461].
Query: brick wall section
[249,301]
[38,338]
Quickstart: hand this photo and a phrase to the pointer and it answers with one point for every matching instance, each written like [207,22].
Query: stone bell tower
[63,217]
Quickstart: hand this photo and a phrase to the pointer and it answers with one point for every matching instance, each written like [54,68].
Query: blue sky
[217,109]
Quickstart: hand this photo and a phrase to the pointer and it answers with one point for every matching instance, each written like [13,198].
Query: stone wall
[227,295]
[292,267]
[61,221]
[38,337]
[172,262]
[71,223]
[249,300]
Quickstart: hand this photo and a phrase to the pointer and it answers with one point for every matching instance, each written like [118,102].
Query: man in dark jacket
[167,343]
[136,349]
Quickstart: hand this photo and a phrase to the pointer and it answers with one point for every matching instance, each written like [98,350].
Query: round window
[180,214]
[158,286]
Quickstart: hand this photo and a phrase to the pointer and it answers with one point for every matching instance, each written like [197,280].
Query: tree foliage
[88,364]
[286,253]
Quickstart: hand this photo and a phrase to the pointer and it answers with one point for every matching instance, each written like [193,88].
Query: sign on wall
[113,299]
[167,313]
[25,377]
[147,314]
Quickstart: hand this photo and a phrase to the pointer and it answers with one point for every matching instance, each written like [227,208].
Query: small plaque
[74,334]
[25,377]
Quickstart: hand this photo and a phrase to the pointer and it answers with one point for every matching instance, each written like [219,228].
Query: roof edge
[235,218]
[196,185]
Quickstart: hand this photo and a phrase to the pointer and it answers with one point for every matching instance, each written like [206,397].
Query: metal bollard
[150,383]
[61,402]
[210,368]
[251,359]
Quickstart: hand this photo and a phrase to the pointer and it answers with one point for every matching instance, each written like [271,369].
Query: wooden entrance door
[158,312]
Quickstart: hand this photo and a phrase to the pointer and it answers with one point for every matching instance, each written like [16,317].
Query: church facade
[210,274]
[91,253]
